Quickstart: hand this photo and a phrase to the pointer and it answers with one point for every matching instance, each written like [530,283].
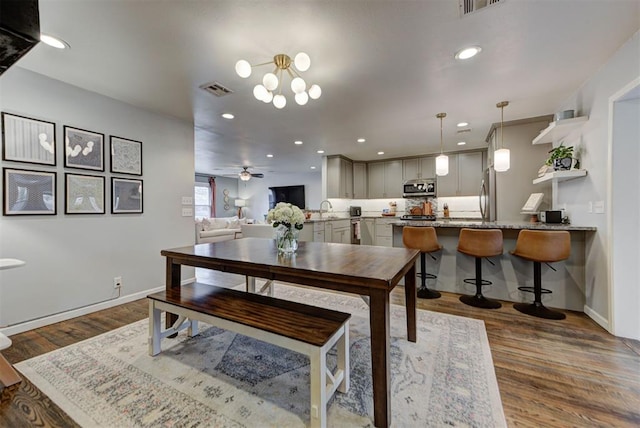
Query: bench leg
[343,359]
[154,329]
[318,389]
[193,328]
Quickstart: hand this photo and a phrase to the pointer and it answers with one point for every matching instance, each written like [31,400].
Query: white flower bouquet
[287,215]
[288,221]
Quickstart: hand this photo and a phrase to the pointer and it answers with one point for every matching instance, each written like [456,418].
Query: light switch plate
[598,207]
[187,212]
[187,200]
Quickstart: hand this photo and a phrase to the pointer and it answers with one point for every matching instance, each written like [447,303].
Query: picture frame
[28,140]
[27,192]
[126,196]
[83,149]
[84,194]
[126,156]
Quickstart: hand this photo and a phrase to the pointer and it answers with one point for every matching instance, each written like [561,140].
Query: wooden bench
[301,328]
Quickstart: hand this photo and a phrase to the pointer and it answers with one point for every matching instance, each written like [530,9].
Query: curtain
[212,185]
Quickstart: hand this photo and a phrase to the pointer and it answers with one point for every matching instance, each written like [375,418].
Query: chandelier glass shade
[442,161]
[245,175]
[502,156]
[270,90]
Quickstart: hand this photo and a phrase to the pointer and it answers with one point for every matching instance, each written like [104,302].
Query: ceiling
[386,69]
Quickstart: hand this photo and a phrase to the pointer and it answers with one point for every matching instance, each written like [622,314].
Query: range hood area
[19,30]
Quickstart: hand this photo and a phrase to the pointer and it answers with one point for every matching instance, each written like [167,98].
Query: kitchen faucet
[328,202]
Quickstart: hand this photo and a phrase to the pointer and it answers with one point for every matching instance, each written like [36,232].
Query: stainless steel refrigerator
[487,198]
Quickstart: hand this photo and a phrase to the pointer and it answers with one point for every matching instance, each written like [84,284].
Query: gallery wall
[71,260]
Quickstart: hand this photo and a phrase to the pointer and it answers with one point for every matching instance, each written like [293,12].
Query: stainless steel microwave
[419,188]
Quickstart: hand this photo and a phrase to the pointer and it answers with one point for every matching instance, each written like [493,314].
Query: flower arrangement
[288,221]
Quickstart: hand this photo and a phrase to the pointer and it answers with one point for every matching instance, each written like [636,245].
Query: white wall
[592,100]
[256,191]
[72,259]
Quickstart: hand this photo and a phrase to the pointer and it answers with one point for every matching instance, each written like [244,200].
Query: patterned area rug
[222,379]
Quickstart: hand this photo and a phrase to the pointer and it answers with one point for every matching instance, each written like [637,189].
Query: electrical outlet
[117,282]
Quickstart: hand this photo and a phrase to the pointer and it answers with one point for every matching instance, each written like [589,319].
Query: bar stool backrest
[480,242]
[420,238]
[543,245]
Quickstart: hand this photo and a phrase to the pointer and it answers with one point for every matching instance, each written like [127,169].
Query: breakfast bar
[568,280]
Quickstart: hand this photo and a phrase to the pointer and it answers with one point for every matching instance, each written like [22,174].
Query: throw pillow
[233,224]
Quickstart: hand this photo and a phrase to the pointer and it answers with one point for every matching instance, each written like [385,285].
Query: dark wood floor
[550,373]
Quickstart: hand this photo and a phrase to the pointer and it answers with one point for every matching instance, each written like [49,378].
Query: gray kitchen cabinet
[415,168]
[384,232]
[359,180]
[465,175]
[339,177]
[318,232]
[338,231]
[385,179]
[367,231]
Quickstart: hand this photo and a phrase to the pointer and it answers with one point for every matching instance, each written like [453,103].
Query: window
[202,200]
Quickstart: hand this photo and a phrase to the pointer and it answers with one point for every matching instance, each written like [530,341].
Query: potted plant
[561,157]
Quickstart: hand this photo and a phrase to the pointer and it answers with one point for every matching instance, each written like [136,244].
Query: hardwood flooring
[550,373]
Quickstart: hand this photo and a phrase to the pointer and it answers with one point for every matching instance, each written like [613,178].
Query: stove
[419,217]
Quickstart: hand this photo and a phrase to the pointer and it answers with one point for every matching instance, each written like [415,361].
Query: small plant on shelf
[561,157]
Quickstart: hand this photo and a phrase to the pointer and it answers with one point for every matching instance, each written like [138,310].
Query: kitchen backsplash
[459,206]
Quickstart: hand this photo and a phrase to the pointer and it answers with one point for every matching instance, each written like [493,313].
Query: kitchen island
[568,282]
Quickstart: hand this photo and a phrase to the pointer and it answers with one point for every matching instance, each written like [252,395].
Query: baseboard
[73,313]
[599,319]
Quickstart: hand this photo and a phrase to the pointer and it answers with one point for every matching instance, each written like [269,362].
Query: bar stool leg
[479,301]
[537,309]
[423,291]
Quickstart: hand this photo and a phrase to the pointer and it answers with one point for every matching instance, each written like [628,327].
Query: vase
[286,239]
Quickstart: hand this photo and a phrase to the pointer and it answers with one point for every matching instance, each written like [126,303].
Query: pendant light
[502,156]
[442,161]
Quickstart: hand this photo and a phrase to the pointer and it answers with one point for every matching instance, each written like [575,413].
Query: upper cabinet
[465,175]
[359,180]
[385,179]
[339,177]
[559,129]
[424,167]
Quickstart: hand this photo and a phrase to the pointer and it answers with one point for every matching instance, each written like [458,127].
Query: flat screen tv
[291,194]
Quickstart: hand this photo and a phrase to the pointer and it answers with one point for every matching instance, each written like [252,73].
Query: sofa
[217,229]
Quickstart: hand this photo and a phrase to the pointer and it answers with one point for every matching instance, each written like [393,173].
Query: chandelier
[502,156]
[271,88]
[442,161]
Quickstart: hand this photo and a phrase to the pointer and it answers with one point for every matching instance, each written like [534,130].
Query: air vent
[468,6]
[216,89]
[462,131]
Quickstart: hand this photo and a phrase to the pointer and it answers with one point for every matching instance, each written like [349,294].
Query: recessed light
[361,140]
[228,115]
[313,167]
[380,153]
[54,42]
[320,151]
[462,143]
[461,124]
[469,52]
[298,143]
[269,155]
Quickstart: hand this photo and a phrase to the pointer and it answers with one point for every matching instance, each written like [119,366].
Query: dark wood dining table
[371,271]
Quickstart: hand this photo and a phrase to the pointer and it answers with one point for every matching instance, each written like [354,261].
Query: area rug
[221,379]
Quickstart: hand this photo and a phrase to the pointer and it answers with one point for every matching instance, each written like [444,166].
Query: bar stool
[541,246]
[425,240]
[480,243]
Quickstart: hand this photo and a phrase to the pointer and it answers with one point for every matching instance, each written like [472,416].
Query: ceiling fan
[245,175]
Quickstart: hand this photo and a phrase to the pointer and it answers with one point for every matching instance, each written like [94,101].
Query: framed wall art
[28,140]
[28,192]
[126,196]
[83,149]
[126,156]
[84,194]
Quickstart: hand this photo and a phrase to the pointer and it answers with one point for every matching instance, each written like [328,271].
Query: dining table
[370,271]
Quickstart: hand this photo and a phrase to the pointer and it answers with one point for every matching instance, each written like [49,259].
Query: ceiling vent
[216,89]
[468,6]
[462,131]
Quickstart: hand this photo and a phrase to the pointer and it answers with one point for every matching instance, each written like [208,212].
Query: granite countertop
[478,224]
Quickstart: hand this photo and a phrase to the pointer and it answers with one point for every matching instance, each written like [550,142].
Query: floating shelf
[559,129]
[561,175]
